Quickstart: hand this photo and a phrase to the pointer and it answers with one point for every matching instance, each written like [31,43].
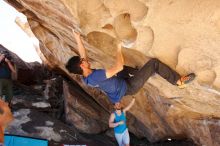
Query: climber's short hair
[73,65]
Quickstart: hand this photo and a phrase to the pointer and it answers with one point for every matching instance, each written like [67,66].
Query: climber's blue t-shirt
[114,87]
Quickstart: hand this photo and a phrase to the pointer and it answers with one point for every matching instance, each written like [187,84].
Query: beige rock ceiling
[185,34]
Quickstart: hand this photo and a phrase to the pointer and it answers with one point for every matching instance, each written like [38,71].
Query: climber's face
[84,63]
[117,106]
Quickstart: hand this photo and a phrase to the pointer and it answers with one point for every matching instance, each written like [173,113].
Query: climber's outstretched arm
[118,65]
[81,48]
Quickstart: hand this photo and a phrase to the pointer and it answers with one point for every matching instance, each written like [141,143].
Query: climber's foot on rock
[181,83]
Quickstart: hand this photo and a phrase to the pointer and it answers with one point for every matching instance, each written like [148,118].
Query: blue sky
[13,37]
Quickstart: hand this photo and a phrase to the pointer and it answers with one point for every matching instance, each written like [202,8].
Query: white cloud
[13,37]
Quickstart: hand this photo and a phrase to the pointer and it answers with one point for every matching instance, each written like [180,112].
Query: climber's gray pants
[141,76]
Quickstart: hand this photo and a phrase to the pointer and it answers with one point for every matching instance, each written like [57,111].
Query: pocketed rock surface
[183,34]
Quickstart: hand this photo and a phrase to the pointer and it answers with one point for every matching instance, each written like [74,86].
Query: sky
[13,37]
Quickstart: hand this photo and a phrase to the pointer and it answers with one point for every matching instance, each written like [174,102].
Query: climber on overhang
[110,80]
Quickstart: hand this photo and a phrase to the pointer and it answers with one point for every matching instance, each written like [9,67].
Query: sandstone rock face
[183,34]
[83,112]
[24,26]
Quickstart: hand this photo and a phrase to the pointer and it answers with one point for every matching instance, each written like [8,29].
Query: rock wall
[183,34]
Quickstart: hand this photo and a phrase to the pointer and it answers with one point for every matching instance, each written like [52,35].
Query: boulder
[183,34]
[82,111]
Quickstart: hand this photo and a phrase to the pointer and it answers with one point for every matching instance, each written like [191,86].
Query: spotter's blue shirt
[120,128]
[114,87]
